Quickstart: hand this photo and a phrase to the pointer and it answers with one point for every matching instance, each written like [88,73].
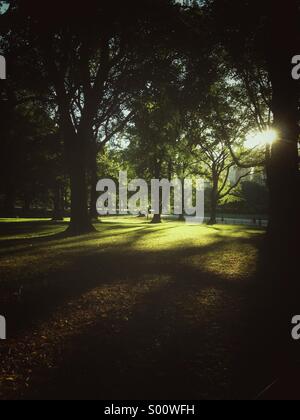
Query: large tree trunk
[282,276]
[77,146]
[283,166]
[156,219]
[213,213]
[283,179]
[58,207]
[80,219]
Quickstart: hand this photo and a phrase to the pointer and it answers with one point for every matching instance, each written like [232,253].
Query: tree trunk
[80,219]
[156,219]
[213,212]
[214,202]
[182,216]
[58,210]
[283,165]
[283,180]
[94,179]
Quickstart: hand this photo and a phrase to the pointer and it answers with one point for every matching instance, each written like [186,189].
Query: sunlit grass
[127,236]
[181,274]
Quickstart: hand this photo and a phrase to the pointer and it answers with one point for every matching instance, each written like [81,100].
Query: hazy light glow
[261,138]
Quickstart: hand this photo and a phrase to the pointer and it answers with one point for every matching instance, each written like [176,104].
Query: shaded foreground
[133,311]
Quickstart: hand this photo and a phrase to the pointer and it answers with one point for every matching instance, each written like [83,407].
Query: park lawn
[133,310]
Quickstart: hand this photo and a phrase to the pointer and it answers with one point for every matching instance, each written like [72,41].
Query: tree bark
[214,201]
[283,181]
[182,216]
[283,165]
[213,211]
[156,219]
[58,210]
[94,179]
[80,219]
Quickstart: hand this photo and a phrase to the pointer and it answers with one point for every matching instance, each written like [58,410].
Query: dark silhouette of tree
[89,59]
[267,34]
[29,166]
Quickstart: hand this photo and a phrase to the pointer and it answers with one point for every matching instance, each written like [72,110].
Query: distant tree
[155,130]
[214,132]
[108,130]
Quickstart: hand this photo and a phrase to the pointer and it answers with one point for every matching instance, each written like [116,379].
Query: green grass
[132,236]
[132,300]
[20,220]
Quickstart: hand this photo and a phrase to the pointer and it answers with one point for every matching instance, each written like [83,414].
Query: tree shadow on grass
[21,245]
[159,348]
[31,298]
[160,353]
[198,335]
[28,233]
[179,343]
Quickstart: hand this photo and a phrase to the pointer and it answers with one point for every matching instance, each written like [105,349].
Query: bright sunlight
[261,138]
